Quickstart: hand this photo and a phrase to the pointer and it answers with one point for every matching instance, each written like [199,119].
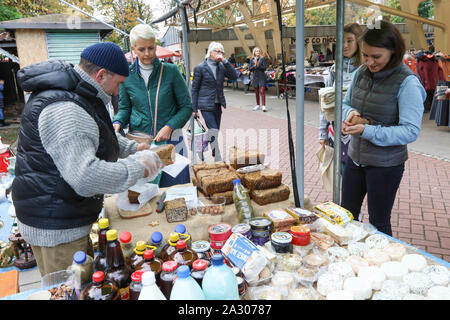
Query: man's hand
[143,146]
[116,127]
[164,134]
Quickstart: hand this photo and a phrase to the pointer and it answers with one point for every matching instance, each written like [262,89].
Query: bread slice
[133,196]
[166,153]
[263,197]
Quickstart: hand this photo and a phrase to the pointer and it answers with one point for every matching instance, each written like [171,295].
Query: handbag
[200,136]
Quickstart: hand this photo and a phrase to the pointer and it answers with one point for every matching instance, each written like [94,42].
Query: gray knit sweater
[71,136]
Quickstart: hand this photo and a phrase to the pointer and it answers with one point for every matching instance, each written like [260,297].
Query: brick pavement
[421,212]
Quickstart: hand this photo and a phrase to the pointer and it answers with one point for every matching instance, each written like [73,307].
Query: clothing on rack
[444,63]
[440,108]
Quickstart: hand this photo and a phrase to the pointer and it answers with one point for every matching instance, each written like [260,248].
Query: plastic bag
[151,162]
[200,136]
[325,157]
[147,192]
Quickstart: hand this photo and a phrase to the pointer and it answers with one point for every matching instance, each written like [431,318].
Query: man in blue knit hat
[68,154]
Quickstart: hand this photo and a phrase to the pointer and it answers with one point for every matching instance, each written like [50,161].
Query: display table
[196,225]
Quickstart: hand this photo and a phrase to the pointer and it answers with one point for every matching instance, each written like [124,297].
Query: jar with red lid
[301,235]
[218,235]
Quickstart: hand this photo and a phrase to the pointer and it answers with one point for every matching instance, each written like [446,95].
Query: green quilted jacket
[136,101]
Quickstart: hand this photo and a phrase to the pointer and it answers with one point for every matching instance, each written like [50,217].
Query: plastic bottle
[198,271]
[136,284]
[183,234]
[117,270]
[167,277]
[127,246]
[81,270]
[183,255]
[138,254]
[151,263]
[100,289]
[100,263]
[185,287]
[170,246]
[219,282]
[242,202]
[150,290]
[156,240]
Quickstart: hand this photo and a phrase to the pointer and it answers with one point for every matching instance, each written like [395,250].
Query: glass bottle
[183,255]
[100,263]
[170,246]
[100,289]
[81,271]
[242,202]
[151,263]
[136,284]
[127,246]
[199,267]
[138,254]
[167,277]
[117,270]
[181,230]
[156,240]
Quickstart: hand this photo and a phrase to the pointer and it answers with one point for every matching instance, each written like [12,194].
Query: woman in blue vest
[383,111]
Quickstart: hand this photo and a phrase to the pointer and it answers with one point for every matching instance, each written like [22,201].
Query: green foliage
[8,13]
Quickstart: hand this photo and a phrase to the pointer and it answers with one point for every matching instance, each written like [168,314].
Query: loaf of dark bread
[205,166]
[241,158]
[263,179]
[218,183]
[166,153]
[176,210]
[263,197]
[133,196]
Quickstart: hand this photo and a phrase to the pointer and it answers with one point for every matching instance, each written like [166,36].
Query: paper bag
[325,157]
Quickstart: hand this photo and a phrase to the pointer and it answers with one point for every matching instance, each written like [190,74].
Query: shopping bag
[200,136]
[325,157]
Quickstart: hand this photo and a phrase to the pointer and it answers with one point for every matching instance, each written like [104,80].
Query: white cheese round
[383,295]
[394,270]
[377,241]
[357,248]
[360,287]
[414,262]
[395,288]
[395,250]
[439,293]
[376,257]
[374,275]
[357,263]
[329,282]
[342,269]
[413,296]
[418,282]
[340,295]
[438,274]
[336,254]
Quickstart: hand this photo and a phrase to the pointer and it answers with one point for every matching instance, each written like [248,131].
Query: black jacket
[42,198]
[259,74]
[205,87]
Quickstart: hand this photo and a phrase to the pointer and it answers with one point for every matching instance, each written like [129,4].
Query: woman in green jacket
[137,99]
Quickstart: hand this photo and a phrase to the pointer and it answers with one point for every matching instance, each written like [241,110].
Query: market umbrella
[161,52]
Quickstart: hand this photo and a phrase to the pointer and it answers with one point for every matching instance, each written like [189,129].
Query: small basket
[205,207]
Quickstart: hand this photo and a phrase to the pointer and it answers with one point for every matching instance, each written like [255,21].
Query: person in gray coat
[207,91]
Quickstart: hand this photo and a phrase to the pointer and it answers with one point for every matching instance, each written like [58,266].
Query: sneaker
[264,108]
[256,108]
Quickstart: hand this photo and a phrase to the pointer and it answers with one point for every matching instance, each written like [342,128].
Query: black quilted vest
[42,198]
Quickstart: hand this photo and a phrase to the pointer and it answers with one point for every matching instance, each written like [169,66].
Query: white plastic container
[185,287]
[150,290]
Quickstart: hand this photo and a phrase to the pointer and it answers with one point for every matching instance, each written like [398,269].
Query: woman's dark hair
[386,36]
[357,30]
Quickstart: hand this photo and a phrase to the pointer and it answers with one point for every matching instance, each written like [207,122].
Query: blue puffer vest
[42,198]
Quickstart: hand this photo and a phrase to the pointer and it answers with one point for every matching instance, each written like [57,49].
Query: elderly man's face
[217,54]
[109,82]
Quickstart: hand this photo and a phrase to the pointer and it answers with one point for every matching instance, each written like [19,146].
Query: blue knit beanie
[107,55]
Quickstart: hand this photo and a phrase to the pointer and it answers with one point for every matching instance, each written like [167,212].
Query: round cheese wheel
[414,262]
[438,274]
[384,295]
[377,241]
[357,263]
[342,269]
[329,282]
[418,282]
[374,275]
[395,288]
[315,260]
[394,270]
[340,295]
[395,250]
[413,296]
[357,248]
[336,254]
[376,257]
[360,288]
[438,293]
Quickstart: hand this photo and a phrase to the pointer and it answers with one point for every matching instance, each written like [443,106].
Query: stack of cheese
[214,180]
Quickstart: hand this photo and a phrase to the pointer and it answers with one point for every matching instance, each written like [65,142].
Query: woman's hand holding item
[349,128]
[164,134]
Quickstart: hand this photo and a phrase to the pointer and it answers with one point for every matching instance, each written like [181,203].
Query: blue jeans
[212,121]
[380,184]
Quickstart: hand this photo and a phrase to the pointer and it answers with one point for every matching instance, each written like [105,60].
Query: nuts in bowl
[205,206]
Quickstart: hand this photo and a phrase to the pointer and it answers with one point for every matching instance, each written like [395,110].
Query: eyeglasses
[219,51]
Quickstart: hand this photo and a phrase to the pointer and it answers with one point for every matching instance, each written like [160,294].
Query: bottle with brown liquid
[170,246]
[199,267]
[100,263]
[100,289]
[151,263]
[183,255]
[167,277]
[117,270]
[127,246]
[136,284]
[138,254]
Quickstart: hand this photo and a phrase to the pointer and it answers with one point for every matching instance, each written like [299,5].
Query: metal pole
[300,94]
[340,7]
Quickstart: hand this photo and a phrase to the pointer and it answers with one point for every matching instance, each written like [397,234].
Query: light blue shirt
[411,97]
